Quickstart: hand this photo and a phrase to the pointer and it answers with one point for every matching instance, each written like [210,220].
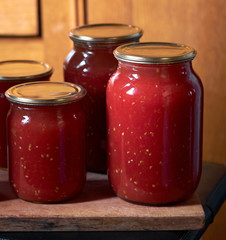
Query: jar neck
[101,45]
[75,105]
[183,68]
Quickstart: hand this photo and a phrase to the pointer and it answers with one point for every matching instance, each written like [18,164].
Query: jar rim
[106,33]
[154,53]
[18,70]
[45,93]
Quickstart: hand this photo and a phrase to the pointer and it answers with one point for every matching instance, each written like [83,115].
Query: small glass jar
[154,112]
[90,63]
[46,137]
[14,72]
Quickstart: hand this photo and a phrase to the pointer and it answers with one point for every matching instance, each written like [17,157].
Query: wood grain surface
[96,209]
[19,18]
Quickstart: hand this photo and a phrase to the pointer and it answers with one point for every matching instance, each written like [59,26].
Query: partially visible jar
[14,72]
[154,112]
[91,63]
[46,136]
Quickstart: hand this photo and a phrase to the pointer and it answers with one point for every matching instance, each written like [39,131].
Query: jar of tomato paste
[90,63]
[11,73]
[154,112]
[46,136]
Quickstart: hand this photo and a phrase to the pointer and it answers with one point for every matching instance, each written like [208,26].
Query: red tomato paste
[154,110]
[46,128]
[11,73]
[90,63]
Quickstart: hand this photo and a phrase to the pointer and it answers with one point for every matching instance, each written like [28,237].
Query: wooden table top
[96,209]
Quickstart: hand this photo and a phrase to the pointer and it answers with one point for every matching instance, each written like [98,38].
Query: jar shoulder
[89,61]
[63,114]
[155,81]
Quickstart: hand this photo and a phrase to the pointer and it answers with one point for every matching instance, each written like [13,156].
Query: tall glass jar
[154,112]
[46,135]
[90,63]
[14,72]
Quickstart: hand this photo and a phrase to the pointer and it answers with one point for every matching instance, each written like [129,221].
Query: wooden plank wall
[18,19]
[57,18]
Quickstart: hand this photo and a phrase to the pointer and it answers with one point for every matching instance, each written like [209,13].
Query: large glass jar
[11,73]
[154,112]
[90,63]
[46,136]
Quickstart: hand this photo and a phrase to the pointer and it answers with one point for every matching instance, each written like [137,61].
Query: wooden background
[199,23]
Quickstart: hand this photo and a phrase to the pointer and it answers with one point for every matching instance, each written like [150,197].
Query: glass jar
[14,72]
[154,112]
[90,63]
[46,137]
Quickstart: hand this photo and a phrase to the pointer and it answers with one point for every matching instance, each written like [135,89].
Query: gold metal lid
[154,53]
[106,33]
[24,70]
[43,93]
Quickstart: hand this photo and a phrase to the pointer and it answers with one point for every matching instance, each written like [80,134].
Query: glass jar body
[4,108]
[91,66]
[154,116]
[46,151]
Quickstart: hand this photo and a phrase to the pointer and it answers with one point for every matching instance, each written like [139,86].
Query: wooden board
[96,209]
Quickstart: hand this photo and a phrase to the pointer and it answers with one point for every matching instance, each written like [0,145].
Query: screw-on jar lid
[45,93]
[24,70]
[154,53]
[106,33]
